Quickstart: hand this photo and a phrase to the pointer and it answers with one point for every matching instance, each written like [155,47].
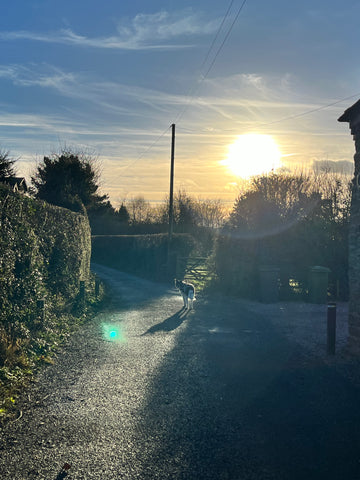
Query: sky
[109,78]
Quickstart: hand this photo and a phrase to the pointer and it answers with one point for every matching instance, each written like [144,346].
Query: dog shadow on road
[170,324]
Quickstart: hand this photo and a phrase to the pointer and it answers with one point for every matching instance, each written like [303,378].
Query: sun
[253,154]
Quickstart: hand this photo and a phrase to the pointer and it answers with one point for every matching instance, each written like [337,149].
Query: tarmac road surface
[149,391]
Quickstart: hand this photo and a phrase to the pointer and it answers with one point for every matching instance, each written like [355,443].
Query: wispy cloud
[160,30]
[246,100]
[35,75]
[239,98]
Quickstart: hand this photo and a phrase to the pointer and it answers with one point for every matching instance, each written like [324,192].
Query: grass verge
[22,355]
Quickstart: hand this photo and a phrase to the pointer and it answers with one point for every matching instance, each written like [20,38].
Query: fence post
[331,328]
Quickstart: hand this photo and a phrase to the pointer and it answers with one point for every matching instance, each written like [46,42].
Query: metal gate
[192,268]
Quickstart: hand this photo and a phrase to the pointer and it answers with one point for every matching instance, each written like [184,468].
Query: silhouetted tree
[69,180]
[273,201]
[292,221]
[123,215]
[7,169]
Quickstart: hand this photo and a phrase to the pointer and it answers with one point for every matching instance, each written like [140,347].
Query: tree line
[293,220]
[71,180]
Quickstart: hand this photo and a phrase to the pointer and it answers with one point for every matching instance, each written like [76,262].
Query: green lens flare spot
[112,333]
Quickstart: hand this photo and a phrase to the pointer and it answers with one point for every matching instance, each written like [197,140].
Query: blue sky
[110,77]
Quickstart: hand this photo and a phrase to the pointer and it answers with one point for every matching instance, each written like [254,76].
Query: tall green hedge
[44,252]
[144,255]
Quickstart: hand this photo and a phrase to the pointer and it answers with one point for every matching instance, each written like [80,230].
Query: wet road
[148,391]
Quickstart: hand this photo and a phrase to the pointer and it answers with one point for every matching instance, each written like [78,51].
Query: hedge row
[144,255]
[238,261]
[44,252]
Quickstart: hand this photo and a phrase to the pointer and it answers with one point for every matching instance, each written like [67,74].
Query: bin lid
[318,268]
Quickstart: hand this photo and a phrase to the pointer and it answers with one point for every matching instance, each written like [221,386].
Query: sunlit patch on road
[221,330]
[113,333]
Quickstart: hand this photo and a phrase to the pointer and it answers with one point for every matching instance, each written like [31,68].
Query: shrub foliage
[44,252]
[290,221]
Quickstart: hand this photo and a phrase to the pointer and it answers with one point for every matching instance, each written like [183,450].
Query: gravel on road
[232,390]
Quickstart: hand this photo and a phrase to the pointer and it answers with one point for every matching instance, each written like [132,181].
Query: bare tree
[210,213]
[139,209]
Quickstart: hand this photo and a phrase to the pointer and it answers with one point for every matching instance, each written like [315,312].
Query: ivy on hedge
[44,251]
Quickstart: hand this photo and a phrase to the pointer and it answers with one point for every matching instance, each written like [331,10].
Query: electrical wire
[203,77]
[125,167]
[308,112]
[225,39]
[217,35]
[190,93]
[298,115]
[191,90]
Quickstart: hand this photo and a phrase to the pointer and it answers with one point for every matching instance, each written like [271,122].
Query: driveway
[223,392]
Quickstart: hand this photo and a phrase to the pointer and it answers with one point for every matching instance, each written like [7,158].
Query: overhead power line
[308,112]
[216,36]
[290,117]
[125,167]
[203,77]
[191,91]
[225,39]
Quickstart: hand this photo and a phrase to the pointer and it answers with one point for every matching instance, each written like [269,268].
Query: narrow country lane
[148,391]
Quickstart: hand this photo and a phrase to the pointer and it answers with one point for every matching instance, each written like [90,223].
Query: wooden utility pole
[171,199]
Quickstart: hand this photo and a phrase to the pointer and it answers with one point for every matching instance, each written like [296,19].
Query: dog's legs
[185,300]
[191,297]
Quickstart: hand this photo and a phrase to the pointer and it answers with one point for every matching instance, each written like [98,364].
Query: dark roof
[351,113]
[18,182]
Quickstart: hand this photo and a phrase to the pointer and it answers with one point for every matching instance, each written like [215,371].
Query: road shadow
[170,324]
[241,402]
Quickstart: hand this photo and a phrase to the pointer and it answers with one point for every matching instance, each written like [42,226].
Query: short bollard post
[331,328]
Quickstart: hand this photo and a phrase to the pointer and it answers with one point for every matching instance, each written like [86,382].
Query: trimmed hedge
[44,252]
[144,255]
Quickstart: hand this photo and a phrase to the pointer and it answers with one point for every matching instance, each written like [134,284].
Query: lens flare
[112,333]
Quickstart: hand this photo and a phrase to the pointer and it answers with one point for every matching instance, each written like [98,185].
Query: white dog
[187,291]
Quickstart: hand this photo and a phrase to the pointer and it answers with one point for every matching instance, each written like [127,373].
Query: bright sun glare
[253,154]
